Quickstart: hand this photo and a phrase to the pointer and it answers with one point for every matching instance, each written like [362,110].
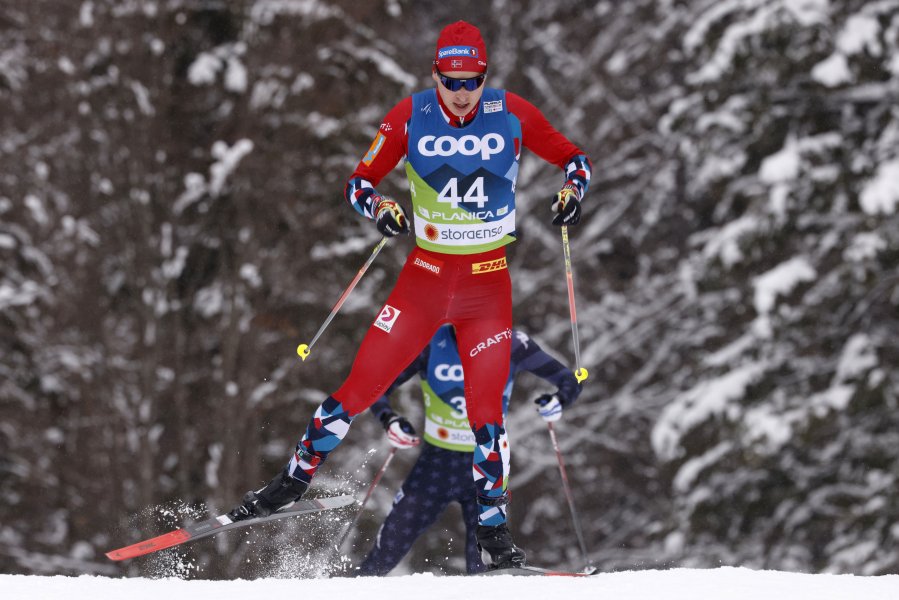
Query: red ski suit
[471,291]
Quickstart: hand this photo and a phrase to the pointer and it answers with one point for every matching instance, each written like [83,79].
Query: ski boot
[280,491]
[498,551]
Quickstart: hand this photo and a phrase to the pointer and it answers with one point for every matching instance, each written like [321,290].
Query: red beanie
[460,47]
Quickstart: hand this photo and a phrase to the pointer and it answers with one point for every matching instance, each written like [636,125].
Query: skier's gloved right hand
[400,432]
[389,216]
[550,407]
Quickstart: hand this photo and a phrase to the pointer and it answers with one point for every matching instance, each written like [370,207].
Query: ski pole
[578,530]
[304,349]
[580,373]
[371,488]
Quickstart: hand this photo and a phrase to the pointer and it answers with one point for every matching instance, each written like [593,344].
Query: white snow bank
[726,583]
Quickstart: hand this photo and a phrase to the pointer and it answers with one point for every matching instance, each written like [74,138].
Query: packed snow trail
[724,583]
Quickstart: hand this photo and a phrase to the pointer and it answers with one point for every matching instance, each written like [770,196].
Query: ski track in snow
[725,583]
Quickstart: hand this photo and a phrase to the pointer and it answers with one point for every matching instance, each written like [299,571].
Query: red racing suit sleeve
[540,137]
[387,149]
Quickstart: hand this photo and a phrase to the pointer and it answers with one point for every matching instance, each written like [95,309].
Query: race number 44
[474,195]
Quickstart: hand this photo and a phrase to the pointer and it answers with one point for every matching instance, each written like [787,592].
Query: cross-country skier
[442,473]
[462,142]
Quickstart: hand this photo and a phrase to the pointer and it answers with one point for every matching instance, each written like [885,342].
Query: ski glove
[390,217]
[567,206]
[400,432]
[550,407]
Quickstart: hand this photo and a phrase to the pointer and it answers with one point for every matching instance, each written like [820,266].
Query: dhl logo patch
[489,266]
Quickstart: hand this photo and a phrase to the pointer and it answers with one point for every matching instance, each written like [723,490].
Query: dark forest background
[172,226]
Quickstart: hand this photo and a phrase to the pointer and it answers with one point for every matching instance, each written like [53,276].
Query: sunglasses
[454,85]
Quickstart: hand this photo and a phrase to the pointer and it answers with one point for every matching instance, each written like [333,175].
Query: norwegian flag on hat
[460,47]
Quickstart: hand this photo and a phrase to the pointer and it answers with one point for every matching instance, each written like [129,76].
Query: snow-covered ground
[724,583]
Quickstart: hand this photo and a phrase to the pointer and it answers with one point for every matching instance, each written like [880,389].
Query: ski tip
[118,555]
[167,540]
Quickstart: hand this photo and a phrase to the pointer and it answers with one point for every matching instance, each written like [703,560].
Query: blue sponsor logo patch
[469,51]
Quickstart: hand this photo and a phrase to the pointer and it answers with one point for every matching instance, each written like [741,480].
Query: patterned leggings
[438,478]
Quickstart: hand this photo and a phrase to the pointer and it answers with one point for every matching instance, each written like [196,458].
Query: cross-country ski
[220,523]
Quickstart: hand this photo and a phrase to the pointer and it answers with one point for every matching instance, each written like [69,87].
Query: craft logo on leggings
[491,341]
[387,318]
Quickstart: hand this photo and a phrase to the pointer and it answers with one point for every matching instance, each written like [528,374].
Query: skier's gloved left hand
[400,432]
[567,206]
[550,407]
